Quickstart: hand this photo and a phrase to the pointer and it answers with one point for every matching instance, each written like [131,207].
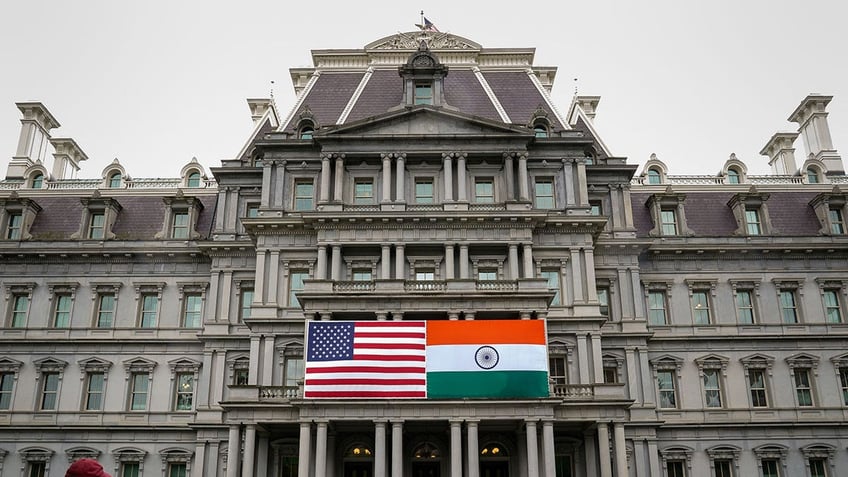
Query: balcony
[589,392]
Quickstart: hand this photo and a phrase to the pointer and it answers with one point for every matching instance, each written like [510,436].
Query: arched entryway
[494,460]
[426,460]
[358,461]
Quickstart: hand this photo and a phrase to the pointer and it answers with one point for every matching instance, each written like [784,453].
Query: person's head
[86,468]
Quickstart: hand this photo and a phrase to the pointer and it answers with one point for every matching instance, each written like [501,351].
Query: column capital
[332,155]
[455,155]
[449,244]
[393,155]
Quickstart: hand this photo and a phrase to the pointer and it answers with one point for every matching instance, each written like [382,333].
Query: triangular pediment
[424,121]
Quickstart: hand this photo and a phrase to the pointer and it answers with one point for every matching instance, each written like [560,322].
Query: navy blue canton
[330,341]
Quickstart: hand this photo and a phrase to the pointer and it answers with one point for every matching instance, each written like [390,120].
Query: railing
[497,285]
[354,286]
[572,391]
[361,208]
[280,392]
[89,184]
[424,285]
[713,180]
[486,207]
[425,208]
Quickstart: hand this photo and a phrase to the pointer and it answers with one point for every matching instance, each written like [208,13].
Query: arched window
[654,176]
[732,176]
[37,181]
[115,181]
[306,132]
[812,175]
[540,130]
[194,179]
[494,450]
[359,451]
[426,451]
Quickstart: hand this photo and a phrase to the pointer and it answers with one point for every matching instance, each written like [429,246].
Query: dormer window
[654,177]
[16,216]
[830,208]
[423,92]
[37,181]
[669,214]
[423,78]
[539,130]
[98,218]
[812,176]
[751,213]
[306,132]
[193,179]
[115,181]
[306,124]
[181,216]
[540,124]
[733,176]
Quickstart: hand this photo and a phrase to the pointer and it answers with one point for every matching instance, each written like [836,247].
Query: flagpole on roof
[422,20]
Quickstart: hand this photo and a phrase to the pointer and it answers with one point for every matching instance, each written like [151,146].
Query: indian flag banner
[486,359]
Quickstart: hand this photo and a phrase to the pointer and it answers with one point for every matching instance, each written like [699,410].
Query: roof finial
[575,86]
[272,90]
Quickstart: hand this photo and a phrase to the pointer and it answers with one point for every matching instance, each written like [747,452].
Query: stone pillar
[510,177]
[455,449]
[620,450]
[339,182]
[597,358]
[513,261]
[268,361]
[591,286]
[397,448]
[401,178]
[218,388]
[336,268]
[233,449]
[577,277]
[253,378]
[325,178]
[449,267]
[582,192]
[399,258]
[273,277]
[448,167]
[603,449]
[379,449]
[279,195]
[259,283]
[590,457]
[386,261]
[532,449]
[321,450]
[549,448]
[249,450]
[653,458]
[472,449]
[262,455]
[387,177]
[321,266]
[463,260]
[461,177]
[304,449]
[267,177]
[632,383]
[523,185]
[529,269]
[583,358]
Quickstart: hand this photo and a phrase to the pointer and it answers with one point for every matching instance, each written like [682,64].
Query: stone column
[339,182]
[529,269]
[461,177]
[577,277]
[218,390]
[448,167]
[325,178]
[513,261]
[397,448]
[321,266]
[259,283]
[532,449]
[249,450]
[590,457]
[632,383]
[253,378]
[386,261]
[262,455]
[273,277]
[399,258]
[510,177]
[267,175]
[582,358]
[449,261]
[603,449]
[597,358]
[277,200]
[620,450]
[268,361]
[387,177]
[379,449]
[549,448]
[400,189]
[304,450]
[591,286]
[582,192]
[653,458]
[463,260]
[336,268]
[321,450]
[472,449]
[523,186]
[233,448]
[455,449]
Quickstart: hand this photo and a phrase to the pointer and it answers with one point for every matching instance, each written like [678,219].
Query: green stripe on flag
[487,384]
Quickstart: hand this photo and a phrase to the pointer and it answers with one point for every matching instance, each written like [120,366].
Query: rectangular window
[487,274]
[712,387]
[363,191]
[610,374]
[544,188]
[36,469]
[552,276]
[184,392]
[818,468]
[656,308]
[177,470]
[361,275]
[20,307]
[564,465]
[603,300]
[96,225]
[723,468]
[788,308]
[803,387]
[7,385]
[149,310]
[558,373]
[94,391]
[296,279]
[14,226]
[191,311]
[595,208]
[668,222]
[665,383]
[49,391]
[425,274]
[129,469]
[294,371]
[241,376]
[770,467]
[843,383]
[752,221]
[252,211]
[246,302]
[62,312]
[832,308]
[745,307]
[701,307]
[676,468]
[423,93]
[179,226]
[484,191]
[424,191]
[837,223]
[139,384]
[105,310]
[303,195]
[757,385]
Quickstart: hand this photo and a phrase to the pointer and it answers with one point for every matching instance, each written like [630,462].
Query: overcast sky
[155,83]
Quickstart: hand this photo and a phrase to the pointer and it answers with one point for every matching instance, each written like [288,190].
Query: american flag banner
[365,359]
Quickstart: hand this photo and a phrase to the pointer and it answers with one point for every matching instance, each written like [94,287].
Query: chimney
[67,158]
[258,107]
[589,105]
[35,134]
[812,125]
[781,153]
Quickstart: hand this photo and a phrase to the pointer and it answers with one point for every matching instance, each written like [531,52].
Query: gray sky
[157,82]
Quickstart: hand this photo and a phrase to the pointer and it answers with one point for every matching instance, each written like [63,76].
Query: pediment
[424,121]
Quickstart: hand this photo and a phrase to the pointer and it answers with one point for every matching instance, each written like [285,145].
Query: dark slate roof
[328,97]
[141,217]
[708,215]
[581,126]
[265,129]
[464,91]
[519,96]
[383,92]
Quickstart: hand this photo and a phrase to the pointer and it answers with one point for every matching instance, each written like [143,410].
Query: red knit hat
[86,468]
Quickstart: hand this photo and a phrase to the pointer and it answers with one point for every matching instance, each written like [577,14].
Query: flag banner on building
[426,359]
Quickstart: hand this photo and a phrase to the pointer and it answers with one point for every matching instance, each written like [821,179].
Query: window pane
[62,317]
[105,310]
[833,312]
[701,308]
[843,381]
[669,222]
[770,468]
[7,383]
[180,228]
[363,192]
[603,300]
[303,191]
[665,383]
[787,306]
[98,220]
[757,384]
[49,389]
[675,468]
[185,391]
[424,191]
[194,179]
[656,308]
[129,469]
[294,371]
[744,307]
[19,311]
[115,181]
[484,191]
[557,369]
[140,383]
[423,93]
[837,226]
[191,317]
[544,194]
[732,176]
[752,219]
[149,309]
[817,468]
[803,388]
[95,391]
[712,390]
[296,285]
[13,231]
[176,470]
[246,302]
[362,275]
[653,176]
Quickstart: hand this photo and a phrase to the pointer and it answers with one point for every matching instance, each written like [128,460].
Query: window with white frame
[757,373]
[604,298]
[612,368]
[552,275]
[363,191]
[9,369]
[832,299]
[176,462]
[139,372]
[801,369]
[724,460]
[130,461]
[94,373]
[184,373]
[181,216]
[558,364]
[819,459]
[656,297]
[49,382]
[149,296]
[293,369]
[745,293]
[677,461]
[840,365]
[19,310]
[543,193]
[771,460]
[36,461]
[424,191]
[296,285]
[701,297]
[788,302]
[240,371]
[62,298]
[668,221]
[105,303]
[484,190]
[712,370]
[666,372]
[245,299]
[192,296]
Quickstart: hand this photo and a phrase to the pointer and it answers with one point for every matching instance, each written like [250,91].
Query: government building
[425,193]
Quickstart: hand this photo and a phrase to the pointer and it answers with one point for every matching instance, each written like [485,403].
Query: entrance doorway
[358,469]
[494,468]
[426,460]
[425,469]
